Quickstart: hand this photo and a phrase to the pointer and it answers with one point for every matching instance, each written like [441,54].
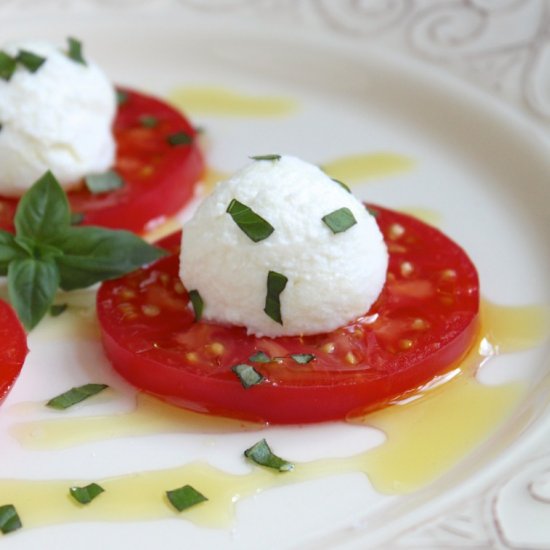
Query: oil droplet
[151,416]
[219,101]
[357,168]
[212,177]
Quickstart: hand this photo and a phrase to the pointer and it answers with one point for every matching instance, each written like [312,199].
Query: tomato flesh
[159,177]
[424,321]
[13,348]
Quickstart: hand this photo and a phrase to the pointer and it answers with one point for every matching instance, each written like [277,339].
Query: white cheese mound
[332,277]
[58,118]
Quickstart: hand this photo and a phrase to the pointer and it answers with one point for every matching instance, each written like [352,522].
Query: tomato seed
[405,344]
[395,231]
[328,348]
[406,269]
[150,310]
[351,359]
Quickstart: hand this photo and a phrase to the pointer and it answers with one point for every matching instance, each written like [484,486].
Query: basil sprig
[47,252]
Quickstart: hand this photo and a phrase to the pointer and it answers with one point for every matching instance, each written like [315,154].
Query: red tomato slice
[423,323]
[159,177]
[13,348]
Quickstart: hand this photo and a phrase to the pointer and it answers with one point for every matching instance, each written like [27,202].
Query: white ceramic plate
[478,165]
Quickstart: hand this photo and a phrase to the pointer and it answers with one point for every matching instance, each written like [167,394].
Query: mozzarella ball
[332,278]
[58,118]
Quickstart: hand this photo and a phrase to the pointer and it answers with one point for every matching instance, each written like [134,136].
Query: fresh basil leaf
[266,157]
[185,497]
[261,454]
[248,375]
[43,210]
[32,285]
[179,138]
[75,51]
[148,121]
[121,97]
[260,357]
[85,495]
[254,226]
[302,358]
[9,251]
[340,220]
[30,61]
[57,309]
[103,183]
[341,184]
[197,303]
[8,64]
[276,283]
[9,519]
[94,254]
[75,395]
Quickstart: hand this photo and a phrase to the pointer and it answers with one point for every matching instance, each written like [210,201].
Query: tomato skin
[423,323]
[13,348]
[159,178]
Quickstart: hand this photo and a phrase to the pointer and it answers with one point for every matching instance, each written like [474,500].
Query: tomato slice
[13,348]
[423,323]
[159,177]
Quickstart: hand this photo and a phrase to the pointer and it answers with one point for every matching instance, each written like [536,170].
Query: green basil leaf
[121,97]
[9,251]
[94,254]
[75,51]
[30,60]
[179,138]
[8,64]
[57,309]
[302,358]
[185,497]
[103,183]
[148,121]
[85,495]
[261,454]
[266,157]
[248,375]
[43,211]
[254,226]
[197,303]
[9,519]
[341,184]
[31,288]
[340,220]
[75,395]
[276,283]
[260,357]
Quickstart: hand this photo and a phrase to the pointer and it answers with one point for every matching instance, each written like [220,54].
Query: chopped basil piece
[261,454]
[266,157]
[75,50]
[185,497]
[276,283]
[85,495]
[374,213]
[341,184]
[8,64]
[103,183]
[179,138]
[77,218]
[248,375]
[121,97]
[74,396]
[57,309]
[254,226]
[148,121]
[30,60]
[197,303]
[260,357]
[9,519]
[302,358]
[340,220]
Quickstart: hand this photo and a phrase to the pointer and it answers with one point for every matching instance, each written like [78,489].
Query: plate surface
[470,164]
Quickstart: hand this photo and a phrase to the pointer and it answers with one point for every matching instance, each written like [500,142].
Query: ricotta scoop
[58,118]
[332,277]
